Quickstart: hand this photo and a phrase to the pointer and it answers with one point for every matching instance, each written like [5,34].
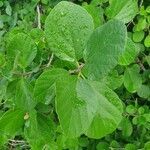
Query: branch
[39,16]
[50,60]
[140,64]
[76,70]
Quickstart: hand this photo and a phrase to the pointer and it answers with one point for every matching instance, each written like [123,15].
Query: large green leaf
[23,96]
[67,29]
[86,107]
[106,107]
[21,50]
[132,78]
[44,87]
[124,10]
[75,115]
[129,54]
[11,122]
[105,46]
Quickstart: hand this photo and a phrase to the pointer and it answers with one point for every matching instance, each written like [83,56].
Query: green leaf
[138,36]
[96,12]
[44,89]
[113,80]
[144,91]
[3,87]
[147,41]
[105,46]
[11,122]
[8,10]
[141,25]
[129,54]
[132,78]
[23,96]
[40,128]
[130,147]
[102,145]
[21,50]
[126,127]
[67,29]
[124,10]
[147,145]
[148,9]
[2,59]
[105,106]
[75,114]
[131,109]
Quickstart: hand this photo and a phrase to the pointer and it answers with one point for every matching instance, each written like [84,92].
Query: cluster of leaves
[74,76]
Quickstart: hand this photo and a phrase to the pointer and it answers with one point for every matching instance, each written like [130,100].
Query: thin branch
[140,64]
[76,70]
[50,60]
[141,3]
[38,16]
[17,141]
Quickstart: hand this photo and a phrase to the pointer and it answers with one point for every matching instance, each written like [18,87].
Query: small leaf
[138,36]
[8,10]
[126,127]
[144,91]
[132,78]
[130,147]
[113,80]
[147,41]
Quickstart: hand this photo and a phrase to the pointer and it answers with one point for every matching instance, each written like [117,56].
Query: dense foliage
[75,74]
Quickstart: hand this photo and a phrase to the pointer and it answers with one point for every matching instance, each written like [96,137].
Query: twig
[140,64]
[130,23]
[50,60]
[16,141]
[76,70]
[141,3]
[39,16]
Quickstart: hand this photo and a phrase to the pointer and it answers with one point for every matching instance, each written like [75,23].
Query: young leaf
[106,107]
[147,41]
[11,122]
[113,80]
[105,46]
[132,78]
[124,10]
[67,29]
[21,50]
[138,36]
[126,127]
[144,91]
[44,88]
[129,54]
